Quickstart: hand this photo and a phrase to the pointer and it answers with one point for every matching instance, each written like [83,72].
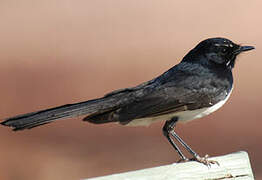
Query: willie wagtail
[200,84]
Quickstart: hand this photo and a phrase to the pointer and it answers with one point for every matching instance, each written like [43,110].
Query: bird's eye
[224,49]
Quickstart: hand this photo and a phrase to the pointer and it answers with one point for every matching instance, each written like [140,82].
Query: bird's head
[220,51]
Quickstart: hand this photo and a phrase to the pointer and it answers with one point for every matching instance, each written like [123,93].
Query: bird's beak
[244,48]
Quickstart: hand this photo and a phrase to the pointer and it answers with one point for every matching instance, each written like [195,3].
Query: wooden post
[232,166]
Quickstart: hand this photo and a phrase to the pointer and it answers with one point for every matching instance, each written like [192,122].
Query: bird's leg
[196,157]
[204,160]
[168,127]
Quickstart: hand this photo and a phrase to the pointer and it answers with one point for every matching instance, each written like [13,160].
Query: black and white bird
[199,85]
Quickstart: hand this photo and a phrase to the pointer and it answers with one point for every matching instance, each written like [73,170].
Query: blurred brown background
[57,52]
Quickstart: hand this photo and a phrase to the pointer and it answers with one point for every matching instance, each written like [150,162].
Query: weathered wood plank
[232,166]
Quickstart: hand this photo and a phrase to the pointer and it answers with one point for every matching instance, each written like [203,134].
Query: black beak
[244,48]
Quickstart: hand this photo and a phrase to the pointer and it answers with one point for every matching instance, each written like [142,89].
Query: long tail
[91,107]
[98,111]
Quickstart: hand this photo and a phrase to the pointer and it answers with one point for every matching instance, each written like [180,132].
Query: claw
[204,160]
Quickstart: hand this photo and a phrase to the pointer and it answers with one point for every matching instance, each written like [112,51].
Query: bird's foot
[204,160]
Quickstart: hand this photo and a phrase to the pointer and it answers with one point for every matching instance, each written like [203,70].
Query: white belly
[183,116]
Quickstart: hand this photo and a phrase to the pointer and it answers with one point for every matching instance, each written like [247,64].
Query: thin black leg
[173,133]
[168,127]
[168,130]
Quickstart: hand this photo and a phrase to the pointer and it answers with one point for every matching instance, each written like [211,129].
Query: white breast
[183,116]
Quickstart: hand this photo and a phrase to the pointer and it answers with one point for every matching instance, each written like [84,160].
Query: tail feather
[101,110]
[34,119]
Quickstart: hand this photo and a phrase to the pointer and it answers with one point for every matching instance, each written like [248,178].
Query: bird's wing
[194,89]
[171,98]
